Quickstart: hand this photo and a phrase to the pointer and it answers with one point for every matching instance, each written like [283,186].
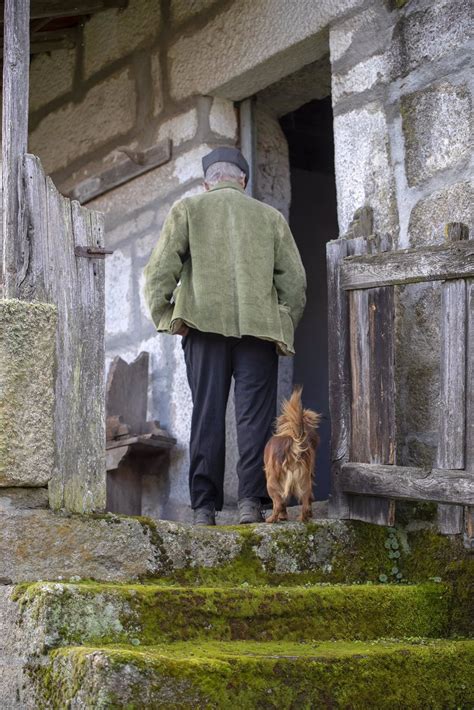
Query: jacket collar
[227,183]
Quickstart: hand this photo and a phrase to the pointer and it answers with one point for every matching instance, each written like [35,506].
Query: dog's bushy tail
[294,420]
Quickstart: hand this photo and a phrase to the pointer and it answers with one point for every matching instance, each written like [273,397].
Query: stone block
[223,118]
[51,76]
[436,128]
[113,34]
[118,288]
[364,172]
[107,111]
[438,29]
[430,215]
[29,498]
[180,128]
[27,357]
[287,36]
[363,76]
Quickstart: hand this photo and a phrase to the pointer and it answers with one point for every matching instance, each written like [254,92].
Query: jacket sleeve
[289,275]
[164,268]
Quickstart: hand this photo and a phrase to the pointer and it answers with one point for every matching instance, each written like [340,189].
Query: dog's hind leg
[279,507]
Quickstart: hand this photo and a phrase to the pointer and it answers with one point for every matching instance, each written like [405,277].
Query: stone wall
[402,103]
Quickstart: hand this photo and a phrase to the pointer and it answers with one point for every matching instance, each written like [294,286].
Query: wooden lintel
[453,260]
[74,8]
[123,171]
[142,442]
[408,483]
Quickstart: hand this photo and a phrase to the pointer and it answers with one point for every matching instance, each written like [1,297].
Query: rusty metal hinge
[92,252]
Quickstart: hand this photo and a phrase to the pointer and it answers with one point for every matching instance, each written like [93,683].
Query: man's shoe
[250,511]
[205,516]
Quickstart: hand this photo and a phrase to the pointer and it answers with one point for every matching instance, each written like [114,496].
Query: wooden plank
[469,462]
[16,60]
[372,410]
[408,483]
[389,268]
[452,401]
[132,166]
[127,391]
[76,8]
[76,286]
[339,375]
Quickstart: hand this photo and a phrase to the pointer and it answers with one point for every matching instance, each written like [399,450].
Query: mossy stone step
[356,675]
[94,613]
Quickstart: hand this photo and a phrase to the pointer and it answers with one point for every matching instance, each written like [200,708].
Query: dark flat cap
[225,154]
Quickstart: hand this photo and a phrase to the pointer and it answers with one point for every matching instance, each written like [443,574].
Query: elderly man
[227,276]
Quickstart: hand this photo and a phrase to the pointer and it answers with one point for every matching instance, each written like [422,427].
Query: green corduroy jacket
[226,263]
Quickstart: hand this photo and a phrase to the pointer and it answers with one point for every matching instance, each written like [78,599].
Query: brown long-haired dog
[290,456]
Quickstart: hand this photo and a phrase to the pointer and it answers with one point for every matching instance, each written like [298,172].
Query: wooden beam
[16,61]
[339,375]
[52,41]
[408,483]
[74,8]
[134,164]
[433,263]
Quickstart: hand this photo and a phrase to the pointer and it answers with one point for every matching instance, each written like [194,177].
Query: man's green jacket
[226,263]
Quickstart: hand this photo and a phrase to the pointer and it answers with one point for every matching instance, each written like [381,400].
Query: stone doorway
[313,221]
[295,173]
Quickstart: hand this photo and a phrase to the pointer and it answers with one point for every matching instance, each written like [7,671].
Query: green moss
[111,613]
[435,675]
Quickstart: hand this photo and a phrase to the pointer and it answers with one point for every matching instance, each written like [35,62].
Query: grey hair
[223,171]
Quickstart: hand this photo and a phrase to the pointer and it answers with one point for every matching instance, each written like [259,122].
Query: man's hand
[184,330]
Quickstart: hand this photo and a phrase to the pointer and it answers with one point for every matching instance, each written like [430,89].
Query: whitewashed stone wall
[401,99]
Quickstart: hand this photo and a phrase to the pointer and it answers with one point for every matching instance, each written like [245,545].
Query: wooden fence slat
[16,63]
[372,411]
[390,268]
[452,402]
[76,286]
[339,377]
[469,462]
[408,482]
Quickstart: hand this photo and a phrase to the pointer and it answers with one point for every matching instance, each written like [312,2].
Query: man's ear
[243,181]
[206,186]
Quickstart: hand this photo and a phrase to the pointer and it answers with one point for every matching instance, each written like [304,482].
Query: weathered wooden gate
[366,480]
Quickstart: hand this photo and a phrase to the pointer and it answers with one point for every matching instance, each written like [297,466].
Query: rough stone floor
[324,615]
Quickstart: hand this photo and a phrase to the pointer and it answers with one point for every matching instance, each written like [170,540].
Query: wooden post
[16,59]
[372,376]
[452,403]
[339,376]
[469,511]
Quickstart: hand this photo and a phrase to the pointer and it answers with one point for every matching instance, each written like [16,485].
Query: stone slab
[436,128]
[27,354]
[11,498]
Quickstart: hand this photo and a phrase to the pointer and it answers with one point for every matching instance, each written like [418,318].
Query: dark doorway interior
[313,221]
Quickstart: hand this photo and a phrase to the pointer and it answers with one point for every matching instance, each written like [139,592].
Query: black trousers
[211,361]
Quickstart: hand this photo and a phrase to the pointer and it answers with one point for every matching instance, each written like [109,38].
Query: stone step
[40,544]
[71,614]
[249,675]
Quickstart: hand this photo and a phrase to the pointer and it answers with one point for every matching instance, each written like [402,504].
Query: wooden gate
[366,480]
